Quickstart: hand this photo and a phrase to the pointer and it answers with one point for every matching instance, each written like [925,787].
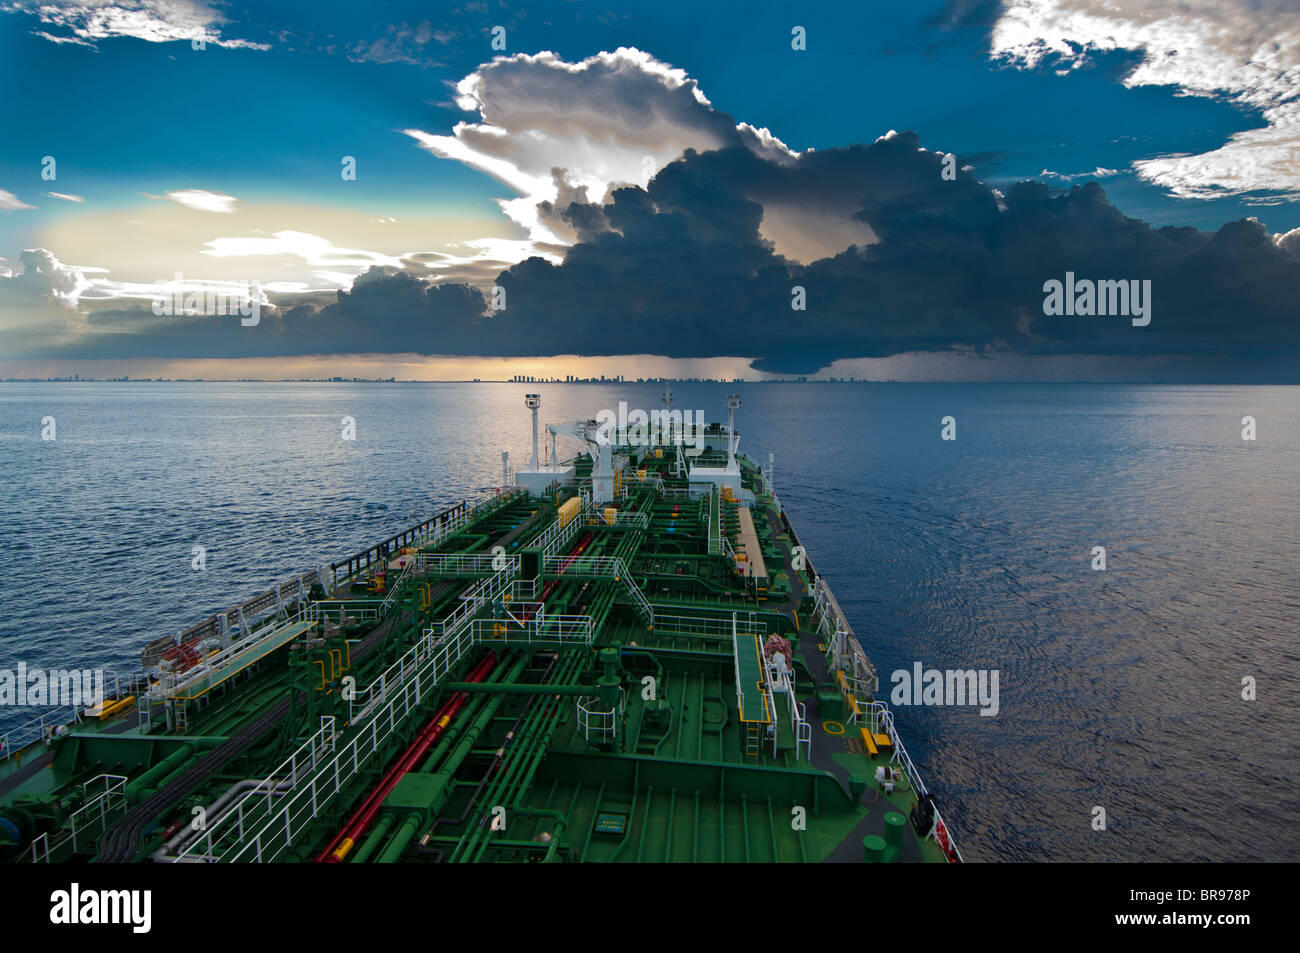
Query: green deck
[749,674]
[682,770]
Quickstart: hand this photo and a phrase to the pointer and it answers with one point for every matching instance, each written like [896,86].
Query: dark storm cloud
[387,311]
[683,269]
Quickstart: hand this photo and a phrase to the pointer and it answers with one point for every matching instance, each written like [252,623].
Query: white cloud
[1097,173]
[318,252]
[401,43]
[11,203]
[156,21]
[65,197]
[1245,51]
[102,289]
[40,278]
[203,200]
[549,127]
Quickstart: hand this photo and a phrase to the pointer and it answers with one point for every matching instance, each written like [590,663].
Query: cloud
[155,21]
[42,279]
[551,130]
[684,270]
[402,44]
[202,200]
[1289,242]
[701,258]
[1244,51]
[314,250]
[11,203]
[38,304]
[1097,173]
[65,197]
[384,307]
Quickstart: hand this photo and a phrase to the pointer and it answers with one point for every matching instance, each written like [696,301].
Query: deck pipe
[164,771]
[519,769]
[410,826]
[218,809]
[520,688]
[343,842]
[498,756]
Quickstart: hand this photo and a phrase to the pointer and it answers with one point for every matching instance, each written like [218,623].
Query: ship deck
[522,686]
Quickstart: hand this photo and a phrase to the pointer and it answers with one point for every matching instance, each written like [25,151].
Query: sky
[732,189]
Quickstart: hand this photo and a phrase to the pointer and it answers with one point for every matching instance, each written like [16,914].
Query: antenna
[733,401]
[666,422]
[505,468]
[532,402]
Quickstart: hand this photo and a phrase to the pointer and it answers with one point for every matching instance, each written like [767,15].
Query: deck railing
[612,566]
[107,802]
[667,623]
[19,737]
[539,627]
[882,717]
[390,709]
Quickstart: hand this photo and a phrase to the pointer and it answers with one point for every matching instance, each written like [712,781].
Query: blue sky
[279,93]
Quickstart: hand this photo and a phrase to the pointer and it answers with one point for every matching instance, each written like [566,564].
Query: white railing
[170,685]
[597,726]
[493,588]
[783,682]
[471,602]
[693,491]
[845,652]
[735,655]
[633,475]
[555,537]
[466,564]
[36,729]
[638,520]
[803,732]
[257,804]
[882,717]
[604,566]
[715,524]
[675,624]
[396,588]
[540,627]
[86,822]
[466,516]
[773,728]
[302,807]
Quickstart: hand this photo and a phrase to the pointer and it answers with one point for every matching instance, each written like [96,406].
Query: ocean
[1119,688]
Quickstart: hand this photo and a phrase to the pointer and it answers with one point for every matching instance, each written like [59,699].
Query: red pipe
[573,554]
[364,816]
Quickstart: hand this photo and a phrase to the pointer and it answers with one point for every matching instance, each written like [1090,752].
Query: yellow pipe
[109,710]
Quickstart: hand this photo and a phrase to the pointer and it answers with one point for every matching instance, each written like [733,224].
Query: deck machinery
[546,676]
